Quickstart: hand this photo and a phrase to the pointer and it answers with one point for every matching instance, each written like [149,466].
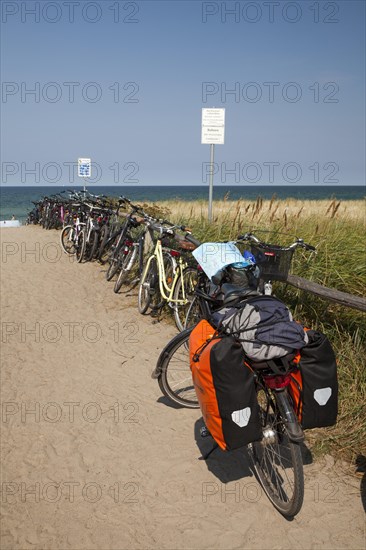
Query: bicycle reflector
[277,382]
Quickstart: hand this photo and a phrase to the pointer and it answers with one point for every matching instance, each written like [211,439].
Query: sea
[17,201]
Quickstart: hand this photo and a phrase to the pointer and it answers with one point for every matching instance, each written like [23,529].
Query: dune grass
[337,229]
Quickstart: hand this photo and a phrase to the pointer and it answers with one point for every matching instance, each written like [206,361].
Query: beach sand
[93,456]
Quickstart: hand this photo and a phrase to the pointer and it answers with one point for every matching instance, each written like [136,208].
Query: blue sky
[124,83]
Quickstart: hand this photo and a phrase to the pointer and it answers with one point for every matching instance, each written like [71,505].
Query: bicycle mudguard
[294,429]
[159,365]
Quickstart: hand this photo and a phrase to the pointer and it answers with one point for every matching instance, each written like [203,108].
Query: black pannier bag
[314,385]
[236,394]
[226,391]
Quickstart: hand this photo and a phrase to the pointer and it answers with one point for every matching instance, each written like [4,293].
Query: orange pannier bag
[225,387]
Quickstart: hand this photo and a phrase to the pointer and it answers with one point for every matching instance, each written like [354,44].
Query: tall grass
[337,229]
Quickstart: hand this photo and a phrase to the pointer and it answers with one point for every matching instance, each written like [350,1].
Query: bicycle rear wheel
[174,372]
[277,460]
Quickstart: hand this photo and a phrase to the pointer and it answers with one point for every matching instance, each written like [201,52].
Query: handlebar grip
[124,199]
[192,240]
[310,247]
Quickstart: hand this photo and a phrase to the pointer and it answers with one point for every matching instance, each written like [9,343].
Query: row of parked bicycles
[139,249]
[130,242]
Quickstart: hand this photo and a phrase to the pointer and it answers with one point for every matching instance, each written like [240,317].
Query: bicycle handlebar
[298,243]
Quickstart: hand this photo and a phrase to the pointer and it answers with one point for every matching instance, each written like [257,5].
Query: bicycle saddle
[232,293]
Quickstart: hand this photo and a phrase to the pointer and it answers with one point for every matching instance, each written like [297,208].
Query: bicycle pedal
[204,432]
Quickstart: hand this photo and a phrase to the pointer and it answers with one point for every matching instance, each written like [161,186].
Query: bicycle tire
[93,244]
[194,313]
[175,377]
[114,258]
[67,240]
[113,267]
[148,281]
[104,236]
[80,246]
[190,278]
[277,460]
[128,261]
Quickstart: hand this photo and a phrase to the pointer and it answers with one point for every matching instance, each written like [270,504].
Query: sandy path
[92,456]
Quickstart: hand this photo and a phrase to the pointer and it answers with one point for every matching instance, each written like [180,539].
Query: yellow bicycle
[167,277]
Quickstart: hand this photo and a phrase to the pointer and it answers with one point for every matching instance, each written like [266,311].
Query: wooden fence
[347,300]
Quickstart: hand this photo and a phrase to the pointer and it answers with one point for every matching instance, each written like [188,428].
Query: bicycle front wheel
[126,267]
[157,300]
[103,249]
[68,239]
[80,246]
[277,460]
[175,378]
[147,287]
[185,285]
[93,244]
[195,312]
[114,260]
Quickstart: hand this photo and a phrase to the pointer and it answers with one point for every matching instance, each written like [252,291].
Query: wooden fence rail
[347,300]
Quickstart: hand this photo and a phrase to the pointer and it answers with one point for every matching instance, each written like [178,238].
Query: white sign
[212,135]
[213,117]
[213,126]
[84,168]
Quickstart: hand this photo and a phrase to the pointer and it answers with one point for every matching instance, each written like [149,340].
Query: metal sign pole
[210,191]
[212,132]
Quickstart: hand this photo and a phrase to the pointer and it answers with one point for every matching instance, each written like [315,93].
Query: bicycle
[167,277]
[118,240]
[133,254]
[71,242]
[72,235]
[90,234]
[276,458]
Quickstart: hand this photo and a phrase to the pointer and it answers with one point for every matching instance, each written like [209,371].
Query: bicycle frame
[77,227]
[167,291]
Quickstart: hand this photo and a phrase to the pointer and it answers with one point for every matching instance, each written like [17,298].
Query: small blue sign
[84,168]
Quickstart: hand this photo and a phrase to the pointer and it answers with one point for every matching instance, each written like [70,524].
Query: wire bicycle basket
[274,261]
